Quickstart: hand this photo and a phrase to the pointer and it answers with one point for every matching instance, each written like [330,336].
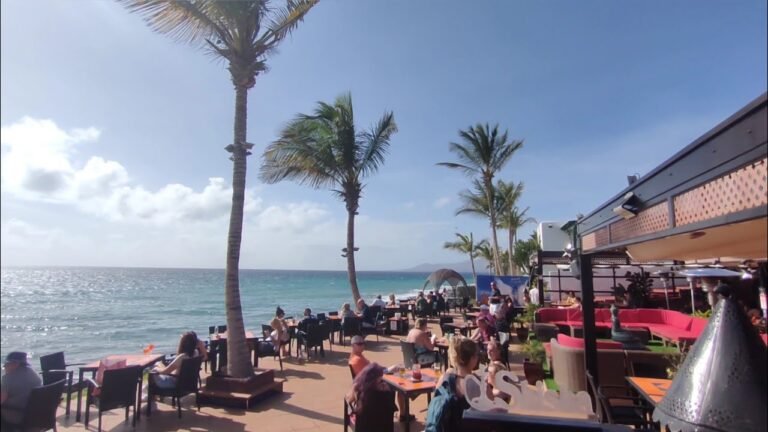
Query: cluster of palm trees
[482,154]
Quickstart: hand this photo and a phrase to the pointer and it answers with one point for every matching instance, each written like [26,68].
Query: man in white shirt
[534,293]
[378,302]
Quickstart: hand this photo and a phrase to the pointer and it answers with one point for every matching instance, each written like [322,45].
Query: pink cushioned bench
[667,325]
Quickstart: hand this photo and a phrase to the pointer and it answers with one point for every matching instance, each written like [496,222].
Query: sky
[113,135]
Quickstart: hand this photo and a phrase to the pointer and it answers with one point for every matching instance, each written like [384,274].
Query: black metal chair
[379,326]
[445,320]
[631,411]
[222,328]
[377,414]
[217,354]
[54,368]
[351,326]
[264,347]
[118,390]
[320,317]
[313,336]
[187,382]
[40,412]
[335,324]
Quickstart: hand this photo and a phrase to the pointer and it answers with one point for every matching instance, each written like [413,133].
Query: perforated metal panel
[589,241]
[650,220]
[740,190]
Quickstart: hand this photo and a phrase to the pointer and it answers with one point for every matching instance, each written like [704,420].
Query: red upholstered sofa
[668,325]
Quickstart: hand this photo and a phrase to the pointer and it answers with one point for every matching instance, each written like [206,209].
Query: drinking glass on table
[438,370]
[401,370]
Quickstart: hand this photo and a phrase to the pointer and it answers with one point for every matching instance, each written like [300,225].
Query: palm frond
[184,20]
[284,21]
[376,144]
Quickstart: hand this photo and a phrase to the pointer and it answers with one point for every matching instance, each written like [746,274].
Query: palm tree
[242,33]
[465,244]
[484,153]
[523,251]
[485,251]
[511,217]
[324,150]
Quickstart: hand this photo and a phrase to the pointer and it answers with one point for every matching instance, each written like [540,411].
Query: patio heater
[722,383]
[664,276]
[707,274]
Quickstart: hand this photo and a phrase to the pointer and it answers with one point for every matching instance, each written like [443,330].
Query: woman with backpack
[449,402]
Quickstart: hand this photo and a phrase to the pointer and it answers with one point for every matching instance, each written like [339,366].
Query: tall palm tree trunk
[492,214]
[472,256]
[512,267]
[237,350]
[351,272]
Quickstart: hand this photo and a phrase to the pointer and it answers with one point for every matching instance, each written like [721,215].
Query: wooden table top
[143,360]
[223,336]
[461,326]
[406,385]
[652,389]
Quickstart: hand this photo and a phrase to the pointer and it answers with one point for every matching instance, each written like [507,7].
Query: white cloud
[442,202]
[38,165]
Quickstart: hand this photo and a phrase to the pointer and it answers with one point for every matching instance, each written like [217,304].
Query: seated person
[485,312]
[576,304]
[369,320]
[378,301]
[571,299]
[357,360]
[166,375]
[16,385]
[495,365]
[392,300]
[370,379]
[464,357]
[484,332]
[346,311]
[280,335]
[418,336]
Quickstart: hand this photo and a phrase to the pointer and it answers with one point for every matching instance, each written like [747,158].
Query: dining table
[143,360]
[651,389]
[217,340]
[402,382]
[464,327]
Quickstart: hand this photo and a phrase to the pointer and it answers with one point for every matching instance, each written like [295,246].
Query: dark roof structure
[439,277]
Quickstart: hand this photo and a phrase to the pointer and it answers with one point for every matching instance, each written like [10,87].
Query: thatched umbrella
[439,277]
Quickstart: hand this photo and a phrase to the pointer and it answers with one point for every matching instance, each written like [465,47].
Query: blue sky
[112,133]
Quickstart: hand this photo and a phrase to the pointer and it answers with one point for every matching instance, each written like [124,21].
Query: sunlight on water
[92,312]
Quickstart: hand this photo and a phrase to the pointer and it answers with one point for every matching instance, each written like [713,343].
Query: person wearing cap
[17,383]
[357,360]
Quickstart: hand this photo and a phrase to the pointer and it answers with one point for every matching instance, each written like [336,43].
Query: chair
[333,313]
[326,331]
[217,354]
[221,328]
[211,330]
[265,348]
[379,326]
[632,411]
[351,326]
[117,390]
[54,368]
[335,324]
[376,416]
[186,383]
[445,320]
[313,337]
[321,316]
[40,412]
[410,357]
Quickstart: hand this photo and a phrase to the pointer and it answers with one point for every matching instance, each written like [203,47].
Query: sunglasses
[359,343]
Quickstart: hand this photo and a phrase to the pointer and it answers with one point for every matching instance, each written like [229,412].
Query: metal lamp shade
[722,384]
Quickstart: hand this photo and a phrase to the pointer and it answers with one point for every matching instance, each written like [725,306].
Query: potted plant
[638,290]
[533,365]
[525,322]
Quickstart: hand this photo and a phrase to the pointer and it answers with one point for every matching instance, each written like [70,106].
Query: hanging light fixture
[722,383]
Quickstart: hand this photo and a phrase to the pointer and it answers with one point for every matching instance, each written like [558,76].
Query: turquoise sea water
[92,312]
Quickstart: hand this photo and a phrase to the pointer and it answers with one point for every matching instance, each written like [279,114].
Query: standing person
[280,334]
[422,306]
[500,317]
[534,293]
[378,302]
[17,383]
[495,290]
[449,402]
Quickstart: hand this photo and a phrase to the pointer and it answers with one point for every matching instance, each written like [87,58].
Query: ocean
[90,312]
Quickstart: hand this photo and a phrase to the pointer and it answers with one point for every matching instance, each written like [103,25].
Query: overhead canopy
[707,201]
[709,272]
[441,276]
